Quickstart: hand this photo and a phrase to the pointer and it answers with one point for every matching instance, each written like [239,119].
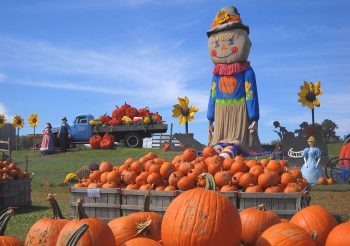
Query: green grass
[49,172]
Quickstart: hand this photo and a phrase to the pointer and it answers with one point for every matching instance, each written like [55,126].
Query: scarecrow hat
[227,18]
[64,118]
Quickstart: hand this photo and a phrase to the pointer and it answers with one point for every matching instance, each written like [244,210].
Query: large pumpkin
[97,234]
[255,221]
[285,234]
[141,241]
[339,236]
[201,217]
[139,224]
[345,153]
[316,220]
[45,231]
[74,239]
[5,217]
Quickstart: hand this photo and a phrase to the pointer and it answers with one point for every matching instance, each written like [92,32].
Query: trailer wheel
[133,140]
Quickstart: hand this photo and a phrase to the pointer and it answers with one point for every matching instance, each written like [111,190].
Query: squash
[255,221]
[191,220]
[315,219]
[339,235]
[286,234]
[97,234]
[5,217]
[45,231]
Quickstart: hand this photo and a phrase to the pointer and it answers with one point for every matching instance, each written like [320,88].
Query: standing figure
[311,169]
[47,144]
[278,154]
[64,135]
[233,108]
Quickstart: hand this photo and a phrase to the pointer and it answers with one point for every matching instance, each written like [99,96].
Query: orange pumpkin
[273,165]
[223,178]
[166,169]
[286,234]
[185,183]
[190,219]
[97,233]
[189,155]
[339,235]
[345,153]
[105,166]
[45,231]
[229,188]
[209,151]
[315,219]
[141,241]
[322,181]
[254,188]
[255,221]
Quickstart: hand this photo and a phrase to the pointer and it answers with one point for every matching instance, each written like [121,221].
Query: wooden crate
[284,204]
[15,193]
[99,203]
[133,200]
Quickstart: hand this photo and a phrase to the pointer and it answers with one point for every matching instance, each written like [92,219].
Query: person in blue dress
[311,169]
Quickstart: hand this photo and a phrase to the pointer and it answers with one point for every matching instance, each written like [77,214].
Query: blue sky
[63,58]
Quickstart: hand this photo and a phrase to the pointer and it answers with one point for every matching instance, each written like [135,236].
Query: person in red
[47,144]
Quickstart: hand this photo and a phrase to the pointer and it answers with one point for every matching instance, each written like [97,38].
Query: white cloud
[2,77]
[165,73]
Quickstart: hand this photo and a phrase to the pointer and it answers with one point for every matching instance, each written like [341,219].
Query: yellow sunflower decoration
[33,121]
[184,112]
[308,94]
[2,120]
[17,121]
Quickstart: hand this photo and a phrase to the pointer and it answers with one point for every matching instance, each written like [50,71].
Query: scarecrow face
[229,46]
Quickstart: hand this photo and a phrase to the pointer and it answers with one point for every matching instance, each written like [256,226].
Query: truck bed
[149,128]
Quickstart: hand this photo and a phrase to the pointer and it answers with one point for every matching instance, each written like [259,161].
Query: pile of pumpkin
[127,114]
[196,217]
[10,171]
[105,142]
[184,173]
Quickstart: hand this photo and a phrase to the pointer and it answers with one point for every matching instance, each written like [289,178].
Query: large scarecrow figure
[233,108]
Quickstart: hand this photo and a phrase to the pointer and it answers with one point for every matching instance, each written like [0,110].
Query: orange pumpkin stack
[10,171]
[183,173]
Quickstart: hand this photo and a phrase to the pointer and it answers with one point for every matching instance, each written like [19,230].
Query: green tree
[328,131]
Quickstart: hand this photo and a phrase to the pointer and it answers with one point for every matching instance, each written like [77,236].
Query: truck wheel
[133,140]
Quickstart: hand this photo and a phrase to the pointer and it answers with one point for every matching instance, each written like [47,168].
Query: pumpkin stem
[80,210]
[57,213]
[210,182]
[4,219]
[147,201]
[261,207]
[74,239]
[314,235]
[141,228]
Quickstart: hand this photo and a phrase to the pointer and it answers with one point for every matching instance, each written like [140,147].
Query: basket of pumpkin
[15,185]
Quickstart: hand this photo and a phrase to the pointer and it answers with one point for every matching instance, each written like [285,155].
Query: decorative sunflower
[222,16]
[17,121]
[308,96]
[33,120]
[2,120]
[184,112]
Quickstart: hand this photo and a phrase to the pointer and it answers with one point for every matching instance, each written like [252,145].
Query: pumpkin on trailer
[340,235]
[97,234]
[45,231]
[315,220]
[191,220]
[255,221]
[285,234]
[5,217]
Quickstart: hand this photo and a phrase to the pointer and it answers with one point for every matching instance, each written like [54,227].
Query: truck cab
[81,130]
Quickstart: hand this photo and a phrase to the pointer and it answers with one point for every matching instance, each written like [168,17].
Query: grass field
[49,172]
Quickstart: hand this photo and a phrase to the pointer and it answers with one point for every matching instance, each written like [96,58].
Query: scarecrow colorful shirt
[232,89]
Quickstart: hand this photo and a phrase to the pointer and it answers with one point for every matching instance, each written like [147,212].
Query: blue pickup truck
[131,135]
